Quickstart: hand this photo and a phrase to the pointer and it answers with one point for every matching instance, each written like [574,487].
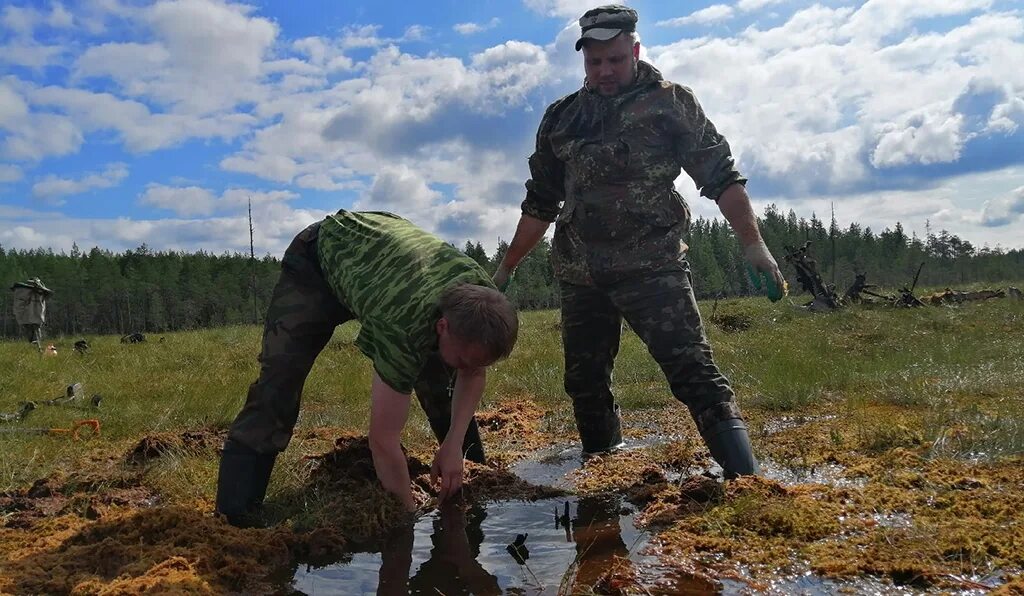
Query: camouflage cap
[605,22]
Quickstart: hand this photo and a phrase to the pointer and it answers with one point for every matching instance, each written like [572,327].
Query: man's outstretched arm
[448,462]
[734,203]
[389,410]
[528,233]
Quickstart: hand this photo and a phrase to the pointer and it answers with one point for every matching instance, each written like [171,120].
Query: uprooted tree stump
[825,297]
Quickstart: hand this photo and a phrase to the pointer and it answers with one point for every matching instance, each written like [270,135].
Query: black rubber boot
[242,482]
[601,433]
[729,444]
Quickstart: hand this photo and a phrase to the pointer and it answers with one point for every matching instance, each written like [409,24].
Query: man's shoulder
[561,103]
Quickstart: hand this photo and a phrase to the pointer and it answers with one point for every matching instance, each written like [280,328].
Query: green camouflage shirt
[604,169]
[391,275]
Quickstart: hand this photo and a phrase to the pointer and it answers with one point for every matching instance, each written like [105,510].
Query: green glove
[502,278]
[767,282]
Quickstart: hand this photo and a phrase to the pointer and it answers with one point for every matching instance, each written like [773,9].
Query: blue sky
[127,122]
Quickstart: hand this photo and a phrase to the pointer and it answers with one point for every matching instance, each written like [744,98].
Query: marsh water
[552,546]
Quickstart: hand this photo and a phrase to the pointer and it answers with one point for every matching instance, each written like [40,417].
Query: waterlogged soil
[855,501]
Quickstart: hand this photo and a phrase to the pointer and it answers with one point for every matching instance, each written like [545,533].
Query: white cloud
[562,8]
[22,20]
[415,33]
[818,109]
[184,201]
[932,136]
[30,54]
[53,188]
[206,56]
[752,5]
[140,130]
[715,13]
[275,224]
[10,173]
[876,19]
[39,136]
[471,28]
[187,201]
[1004,210]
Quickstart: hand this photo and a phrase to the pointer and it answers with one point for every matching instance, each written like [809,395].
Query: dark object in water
[518,549]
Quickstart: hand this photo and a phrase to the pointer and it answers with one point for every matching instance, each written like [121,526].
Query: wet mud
[858,501]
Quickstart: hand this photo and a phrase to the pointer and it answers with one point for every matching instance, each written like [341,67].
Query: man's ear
[441,326]
[636,51]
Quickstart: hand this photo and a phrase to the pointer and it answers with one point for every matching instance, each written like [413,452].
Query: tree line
[101,292]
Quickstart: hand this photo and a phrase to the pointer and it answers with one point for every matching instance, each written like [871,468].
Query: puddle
[825,473]
[571,545]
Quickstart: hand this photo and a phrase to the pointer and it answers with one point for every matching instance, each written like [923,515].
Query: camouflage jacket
[604,169]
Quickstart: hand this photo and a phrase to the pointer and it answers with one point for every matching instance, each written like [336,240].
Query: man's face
[610,65]
[458,353]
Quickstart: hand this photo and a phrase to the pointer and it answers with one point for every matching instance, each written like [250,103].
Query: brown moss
[120,552]
[617,471]
[483,483]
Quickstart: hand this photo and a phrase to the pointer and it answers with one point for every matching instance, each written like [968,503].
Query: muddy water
[572,542]
[580,544]
[566,545]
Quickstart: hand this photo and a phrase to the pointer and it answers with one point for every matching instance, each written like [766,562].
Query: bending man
[431,322]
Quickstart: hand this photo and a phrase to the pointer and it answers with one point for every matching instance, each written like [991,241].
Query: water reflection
[566,543]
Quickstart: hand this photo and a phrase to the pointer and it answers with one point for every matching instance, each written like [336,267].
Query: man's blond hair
[483,316]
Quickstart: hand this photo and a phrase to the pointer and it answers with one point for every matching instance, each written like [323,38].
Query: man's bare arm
[734,203]
[389,411]
[448,464]
[529,231]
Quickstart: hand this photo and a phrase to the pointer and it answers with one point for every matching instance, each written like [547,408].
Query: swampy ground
[891,443]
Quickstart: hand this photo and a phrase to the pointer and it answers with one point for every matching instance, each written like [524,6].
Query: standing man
[30,308]
[603,171]
[431,322]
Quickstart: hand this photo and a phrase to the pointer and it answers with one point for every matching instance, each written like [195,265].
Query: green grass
[960,365]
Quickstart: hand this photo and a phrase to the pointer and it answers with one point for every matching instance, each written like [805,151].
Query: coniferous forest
[101,292]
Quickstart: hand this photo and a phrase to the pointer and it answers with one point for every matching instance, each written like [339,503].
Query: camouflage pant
[34,333]
[661,309]
[300,320]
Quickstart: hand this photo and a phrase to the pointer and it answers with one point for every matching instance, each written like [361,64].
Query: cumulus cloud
[275,224]
[471,28]
[1004,210]
[188,201]
[823,108]
[715,13]
[752,5]
[184,201]
[562,8]
[53,188]
[206,56]
[927,137]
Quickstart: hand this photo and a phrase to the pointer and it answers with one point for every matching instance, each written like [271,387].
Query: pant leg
[433,391]
[662,310]
[591,330]
[300,320]
[33,332]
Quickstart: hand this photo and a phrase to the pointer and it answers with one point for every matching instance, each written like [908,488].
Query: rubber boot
[242,482]
[600,433]
[729,444]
